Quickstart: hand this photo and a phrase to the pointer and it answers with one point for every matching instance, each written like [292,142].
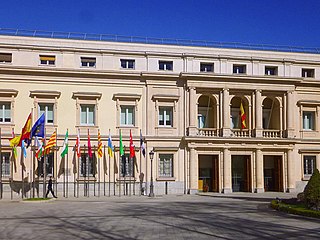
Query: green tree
[312,191]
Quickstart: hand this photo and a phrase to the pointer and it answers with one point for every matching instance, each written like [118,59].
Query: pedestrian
[50,188]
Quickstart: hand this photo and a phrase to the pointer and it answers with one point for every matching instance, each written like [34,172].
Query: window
[127,116]
[5,57]
[165,116]
[206,67]
[165,165]
[166,65]
[87,114]
[127,166]
[47,60]
[88,62]
[239,69]
[308,120]
[307,73]
[48,110]
[5,164]
[309,164]
[88,165]
[5,112]
[127,63]
[271,71]
[49,165]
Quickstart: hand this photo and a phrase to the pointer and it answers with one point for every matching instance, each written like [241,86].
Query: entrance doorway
[241,173]
[273,173]
[208,173]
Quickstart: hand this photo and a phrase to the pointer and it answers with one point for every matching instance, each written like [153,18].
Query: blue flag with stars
[38,127]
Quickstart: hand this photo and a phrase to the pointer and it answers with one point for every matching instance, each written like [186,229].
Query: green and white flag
[65,145]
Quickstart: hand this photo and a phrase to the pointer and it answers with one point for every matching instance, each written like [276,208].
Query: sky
[275,22]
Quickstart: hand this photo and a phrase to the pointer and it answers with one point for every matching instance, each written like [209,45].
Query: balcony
[267,133]
[241,133]
[208,132]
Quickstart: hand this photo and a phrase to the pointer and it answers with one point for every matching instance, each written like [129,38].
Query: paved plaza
[214,216]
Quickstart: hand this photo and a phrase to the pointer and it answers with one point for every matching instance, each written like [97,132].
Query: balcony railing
[241,132]
[208,132]
[267,133]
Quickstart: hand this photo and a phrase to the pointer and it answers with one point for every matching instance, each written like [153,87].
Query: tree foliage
[312,191]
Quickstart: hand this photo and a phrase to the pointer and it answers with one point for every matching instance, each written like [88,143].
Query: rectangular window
[87,114]
[5,112]
[239,69]
[165,165]
[47,60]
[308,120]
[127,63]
[307,73]
[88,165]
[206,67]
[127,116]
[309,164]
[5,164]
[88,62]
[270,71]
[127,166]
[166,65]
[165,116]
[49,165]
[47,108]
[5,57]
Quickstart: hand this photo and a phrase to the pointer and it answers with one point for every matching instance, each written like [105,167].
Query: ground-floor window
[49,165]
[127,166]
[5,164]
[309,164]
[165,165]
[88,167]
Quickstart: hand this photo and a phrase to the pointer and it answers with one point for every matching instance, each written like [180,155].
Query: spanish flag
[242,117]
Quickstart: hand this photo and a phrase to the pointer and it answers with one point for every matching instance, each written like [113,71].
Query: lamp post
[151,194]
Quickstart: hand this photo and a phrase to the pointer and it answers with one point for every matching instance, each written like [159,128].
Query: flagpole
[119,175]
[109,170]
[56,163]
[114,172]
[1,189]
[104,172]
[85,172]
[98,172]
[94,169]
[78,174]
[11,168]
[22,175]
[66,170]
[125,190]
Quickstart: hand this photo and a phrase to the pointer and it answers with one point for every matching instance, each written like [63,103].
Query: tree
[312,191]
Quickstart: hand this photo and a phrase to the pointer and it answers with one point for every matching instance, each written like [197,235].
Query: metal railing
[152,40]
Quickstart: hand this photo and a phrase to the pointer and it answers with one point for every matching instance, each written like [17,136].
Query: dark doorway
[208,173]
[241,173]
[273,176]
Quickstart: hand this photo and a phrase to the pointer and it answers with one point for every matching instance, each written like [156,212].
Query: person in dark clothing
[50,188]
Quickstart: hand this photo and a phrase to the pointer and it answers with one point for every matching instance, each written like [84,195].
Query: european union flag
[38,127]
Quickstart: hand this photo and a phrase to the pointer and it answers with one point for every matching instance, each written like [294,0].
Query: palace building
[219,118]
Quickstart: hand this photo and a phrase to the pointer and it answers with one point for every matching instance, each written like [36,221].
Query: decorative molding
[87,95]
[8,92]
[44,94]
[126,96]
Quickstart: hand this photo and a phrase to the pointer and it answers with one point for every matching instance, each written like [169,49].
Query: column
[290,109]
[227,178]
[259,172]
[290,170]
[258,109]
[194,169]
[192,112]
[226,113]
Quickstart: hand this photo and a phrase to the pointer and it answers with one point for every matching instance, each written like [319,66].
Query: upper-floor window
[5,57]
[127,116]
[309,164]
[5,164]
[87,114]
[127,63]
[271,71]
[47,60]
[165,165]
[47,108]
[166,65]
[206,67]
[307,73]
[239,69]
[5,112]
[88,62]
[165,116]
[308,120]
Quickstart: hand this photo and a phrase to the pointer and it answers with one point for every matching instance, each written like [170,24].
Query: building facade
[185,101]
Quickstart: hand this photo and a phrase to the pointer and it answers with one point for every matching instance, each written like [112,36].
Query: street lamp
[151,155]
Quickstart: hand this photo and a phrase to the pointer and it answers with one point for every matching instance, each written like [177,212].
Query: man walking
[50,188]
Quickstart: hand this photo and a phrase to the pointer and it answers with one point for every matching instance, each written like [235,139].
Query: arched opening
[271,114]
[207,112]
[237,115]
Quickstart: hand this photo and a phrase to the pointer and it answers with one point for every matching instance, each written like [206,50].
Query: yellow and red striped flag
[242,117]
[51,143]
[99,145]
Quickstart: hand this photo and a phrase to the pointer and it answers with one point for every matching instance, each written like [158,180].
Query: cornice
[41,93]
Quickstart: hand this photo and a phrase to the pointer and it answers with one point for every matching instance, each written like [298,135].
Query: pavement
[203,216]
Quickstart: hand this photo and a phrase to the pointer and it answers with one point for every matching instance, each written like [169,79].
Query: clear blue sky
[277,22]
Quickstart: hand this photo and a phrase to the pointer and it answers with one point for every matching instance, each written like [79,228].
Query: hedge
[294,209]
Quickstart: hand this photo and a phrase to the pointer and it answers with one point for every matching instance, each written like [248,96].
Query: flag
[105,167]
[99,145]
[38,127]
[65,145]
[25,134]
[23,148]
[110,147]
[51,143]
[121,149]
[132,153]
[242,117]
[14,154]
[23,155]
[40,151]
[89,145]
[78,144]
[142,146]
